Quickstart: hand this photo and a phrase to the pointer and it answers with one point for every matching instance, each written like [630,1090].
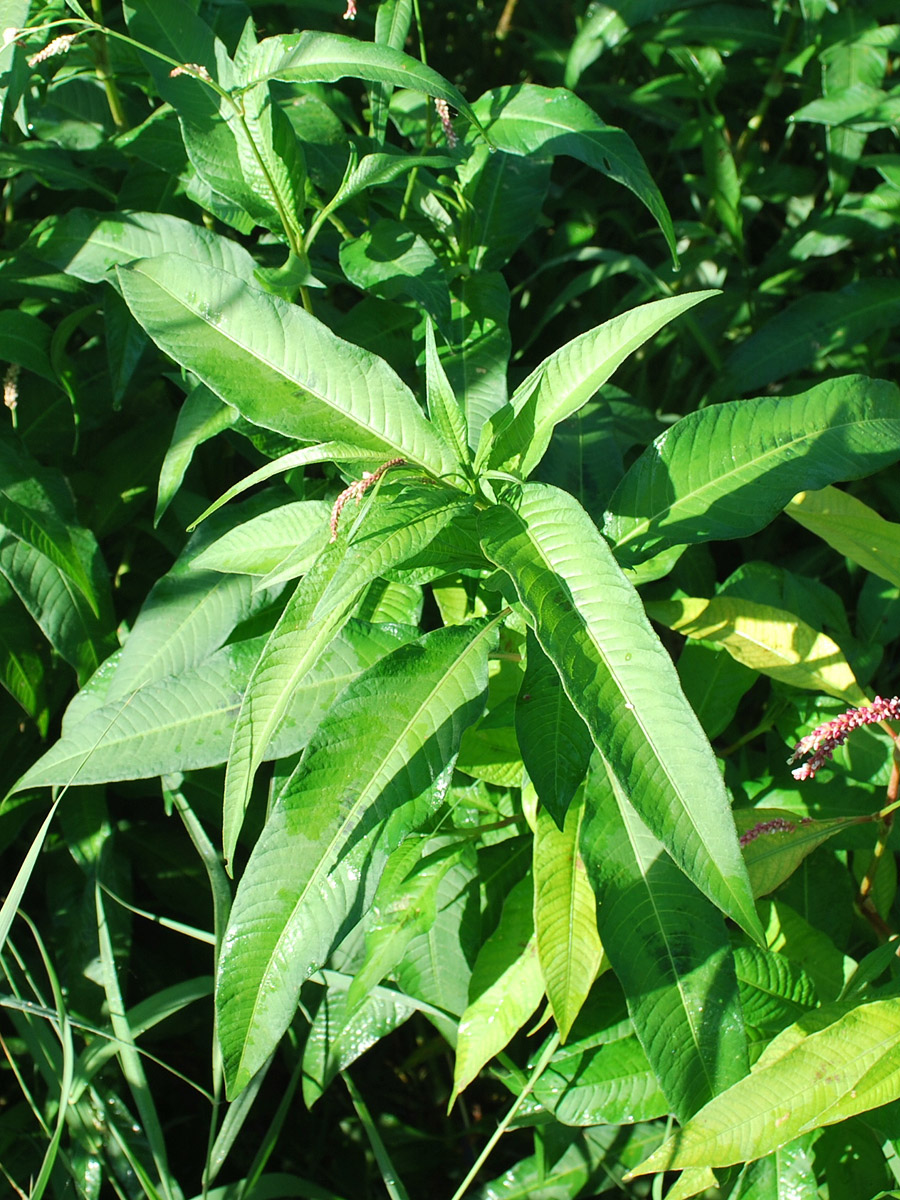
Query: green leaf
[565,921]
[313,57]
[477,356]
[505,989]
[775,842]
[390,260]
[382,745]
[90,245]
[769,640]
[392,24]
[591,624]
[531,120]
[827,1067]
[185,721]
[375,169]
[278,366]
[443,407]
[774,993]
[727,470]
[518,435]
[297,532]
[36,508]
[669,949]
[555,742]
[505,193]
[851,528]
[59,608]
[338,1037]
[611,1084]
[808,330]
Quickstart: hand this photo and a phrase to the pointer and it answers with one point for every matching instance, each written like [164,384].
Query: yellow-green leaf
[769,640]
[851,528]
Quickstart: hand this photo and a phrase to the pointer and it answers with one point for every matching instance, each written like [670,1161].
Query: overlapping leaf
[669,949]
[727,470]
[591,623]
[280,367]
[365,781]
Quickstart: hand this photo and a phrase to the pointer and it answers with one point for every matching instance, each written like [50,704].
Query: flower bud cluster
[824,739]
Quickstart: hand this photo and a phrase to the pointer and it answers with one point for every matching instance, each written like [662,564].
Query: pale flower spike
[196,69]
[11,386]
[824,739]
[443,111]
[59,45]
[350,14]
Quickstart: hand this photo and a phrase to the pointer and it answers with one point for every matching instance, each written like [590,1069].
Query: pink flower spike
[356,491]
[825,739]
[350,14]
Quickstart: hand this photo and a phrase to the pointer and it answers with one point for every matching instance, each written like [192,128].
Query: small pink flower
[350,14]
[824,739]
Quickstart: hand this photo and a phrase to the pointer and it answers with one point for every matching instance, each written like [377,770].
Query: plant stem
[540,1067]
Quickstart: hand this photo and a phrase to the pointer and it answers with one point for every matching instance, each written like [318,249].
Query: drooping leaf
[314,57]
[532,120]
[278,366]
[555,742]
[591,624]
[669,949]
[851,528]
[365,782]
[505,989]
[565,923]
[727,470]
[830,1065]
[769,640]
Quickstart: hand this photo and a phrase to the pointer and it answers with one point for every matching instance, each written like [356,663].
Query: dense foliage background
[432,786]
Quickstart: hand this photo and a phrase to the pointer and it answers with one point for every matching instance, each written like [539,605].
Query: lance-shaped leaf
[565,922]
[775,842]
[505,989]
[829,1066]
[727,470]
[517,436]
[317,609]
[669,949]
[852,529]
[605,1085]
[556,744]
[278,366]
[185,721]
[769,640]
[591,623]
[384,742]
[313,57]
[533,120]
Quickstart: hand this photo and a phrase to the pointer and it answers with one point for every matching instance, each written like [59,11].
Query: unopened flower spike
[824,739]
[443,111]
[357,490]
[59,45]
[196,69]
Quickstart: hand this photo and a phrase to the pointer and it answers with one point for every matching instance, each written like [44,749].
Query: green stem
[540,1067]
[101,59]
